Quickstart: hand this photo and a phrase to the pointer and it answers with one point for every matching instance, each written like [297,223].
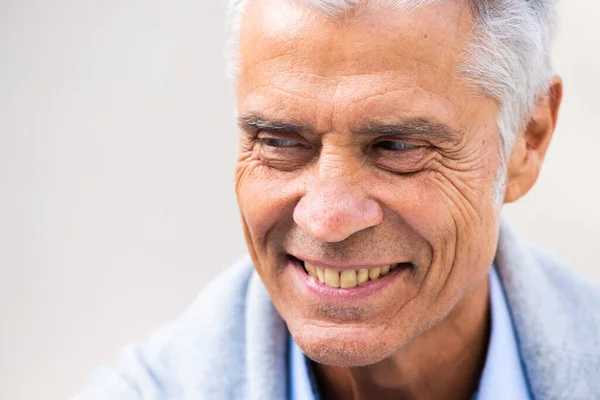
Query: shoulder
[564,276]
[546,290]
[224,294]
[189,355]
[216,315]
[556,315]
[565,339]
[536,277]
[579,297]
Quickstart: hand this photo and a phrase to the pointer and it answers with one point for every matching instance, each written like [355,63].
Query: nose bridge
[336,163]
[335,204]
[336,182]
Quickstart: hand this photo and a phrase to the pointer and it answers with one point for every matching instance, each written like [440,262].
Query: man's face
[360,147]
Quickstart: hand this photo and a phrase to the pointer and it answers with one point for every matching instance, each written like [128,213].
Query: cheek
[266,200]
[420,202]
[457,220]
[467,227]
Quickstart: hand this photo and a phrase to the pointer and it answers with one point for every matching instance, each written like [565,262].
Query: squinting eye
[273,142]
[393,145]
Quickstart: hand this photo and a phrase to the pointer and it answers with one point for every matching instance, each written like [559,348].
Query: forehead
[377,62]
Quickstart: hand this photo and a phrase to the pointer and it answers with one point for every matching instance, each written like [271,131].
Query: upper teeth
[348,278]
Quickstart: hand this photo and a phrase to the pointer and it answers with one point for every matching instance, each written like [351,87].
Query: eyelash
[274,142]
[396,146]
[403,146]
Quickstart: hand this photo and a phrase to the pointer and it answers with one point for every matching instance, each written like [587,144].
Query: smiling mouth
[348,278]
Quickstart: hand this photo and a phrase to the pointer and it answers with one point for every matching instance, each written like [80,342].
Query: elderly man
[378,143]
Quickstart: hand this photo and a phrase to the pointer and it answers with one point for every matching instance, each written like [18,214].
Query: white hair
[508,57]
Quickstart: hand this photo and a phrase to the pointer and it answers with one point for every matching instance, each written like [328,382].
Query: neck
[444,362]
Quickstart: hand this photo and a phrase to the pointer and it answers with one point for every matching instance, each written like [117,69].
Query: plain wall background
[117,151]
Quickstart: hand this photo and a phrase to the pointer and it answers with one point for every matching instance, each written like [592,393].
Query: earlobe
[530,148]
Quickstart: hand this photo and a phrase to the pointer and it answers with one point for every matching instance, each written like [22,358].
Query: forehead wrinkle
[258,91]
[355,31]
[294,94]
[381,93]
[444,107]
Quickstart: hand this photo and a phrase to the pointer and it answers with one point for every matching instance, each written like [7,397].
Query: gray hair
[508,58]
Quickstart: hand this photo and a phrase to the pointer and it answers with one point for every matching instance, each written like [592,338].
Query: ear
[528,154]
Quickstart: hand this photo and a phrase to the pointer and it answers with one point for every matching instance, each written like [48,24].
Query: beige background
[117,147]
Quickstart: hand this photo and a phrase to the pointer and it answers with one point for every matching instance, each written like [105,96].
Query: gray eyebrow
[412,128]
[255,121]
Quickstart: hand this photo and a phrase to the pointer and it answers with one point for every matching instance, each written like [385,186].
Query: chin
[347,347]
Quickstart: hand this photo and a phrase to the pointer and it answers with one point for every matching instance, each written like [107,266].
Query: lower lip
[334,295]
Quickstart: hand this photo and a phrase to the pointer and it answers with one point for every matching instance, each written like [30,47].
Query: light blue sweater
[232,344]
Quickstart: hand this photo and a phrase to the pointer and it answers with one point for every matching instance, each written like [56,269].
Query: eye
[274,142]
[284,151]
[277,139]
[394,145]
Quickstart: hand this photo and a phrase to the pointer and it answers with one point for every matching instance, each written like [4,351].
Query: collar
[503,375]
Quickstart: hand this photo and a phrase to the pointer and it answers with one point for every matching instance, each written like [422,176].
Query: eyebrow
[255,121]
[412,128]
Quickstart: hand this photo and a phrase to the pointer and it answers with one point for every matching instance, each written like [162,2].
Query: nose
[334,209]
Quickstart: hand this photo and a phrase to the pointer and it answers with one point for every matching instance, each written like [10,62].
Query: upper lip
[345,266]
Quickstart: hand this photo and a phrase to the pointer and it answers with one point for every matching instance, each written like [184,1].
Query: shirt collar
[503,375]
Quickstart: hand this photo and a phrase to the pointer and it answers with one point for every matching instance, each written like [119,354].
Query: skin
[318,178]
